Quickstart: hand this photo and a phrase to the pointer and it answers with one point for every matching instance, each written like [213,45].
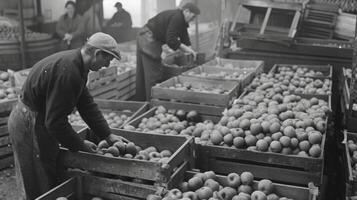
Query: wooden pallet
[280,168]
[294,192]
[326,70]
[157,173]
[132,109]
[161,91]
[85,186]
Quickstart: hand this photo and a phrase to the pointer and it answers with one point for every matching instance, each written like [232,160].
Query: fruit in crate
[352,150]
[164,121]
[114,119]
[220,75]
[301,71]
[133,151]
[8,93]
[202,187]
[198,88]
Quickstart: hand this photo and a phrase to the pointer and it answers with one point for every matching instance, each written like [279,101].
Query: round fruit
[228,139]
[233,180]
[276,136]
[246,178]
[239,142]
[227,193]
[190,195]
[289,131]
[210,175]
[214,185]
[304,145]
[262,145]
[315,151]
[256,128]
[175,194]
[275,146]
[285,141]
[274,127]
[294,142]
[258,195]
[204,193]
[272,197]
[315,137]
[245,189]
[266,186]
[244,124]
[250,140]
[195,183]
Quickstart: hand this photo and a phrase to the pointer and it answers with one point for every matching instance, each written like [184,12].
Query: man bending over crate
[39,124]
[168,27]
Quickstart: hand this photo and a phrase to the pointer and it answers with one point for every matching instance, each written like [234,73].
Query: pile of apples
[133,151]
[8,93]
[300,71]
[291,84]
[234,187]
[166,121]
[220,75]
[113,119]
[352,147]
[198,88]
[13,33]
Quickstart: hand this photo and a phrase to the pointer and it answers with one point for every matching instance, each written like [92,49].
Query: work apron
[149,70]
[35,172]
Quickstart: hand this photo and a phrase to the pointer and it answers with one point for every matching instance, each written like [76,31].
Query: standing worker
[39,122]
[168,27]
[121,19]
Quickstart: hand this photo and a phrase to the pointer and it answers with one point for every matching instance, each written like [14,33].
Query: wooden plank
[7,105]
[103,186]
[127,95]
[3,121]
[4,141]
[104,89]
[4,130]
[6,162]
[5,151]
[66,189]
[294,24]
[265,22]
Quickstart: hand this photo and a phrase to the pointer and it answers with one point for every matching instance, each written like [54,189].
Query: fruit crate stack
[147,161]
[116,112]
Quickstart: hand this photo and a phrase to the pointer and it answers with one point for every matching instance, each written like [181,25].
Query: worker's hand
[111,139]
[89,147]
[193,53]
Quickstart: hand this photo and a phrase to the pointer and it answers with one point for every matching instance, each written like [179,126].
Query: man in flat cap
[168,27]
[38,124]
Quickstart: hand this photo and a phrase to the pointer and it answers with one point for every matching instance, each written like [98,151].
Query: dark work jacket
[169,27]
[54,87]
[121,17]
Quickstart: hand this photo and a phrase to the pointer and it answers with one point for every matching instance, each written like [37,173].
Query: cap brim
[114,54]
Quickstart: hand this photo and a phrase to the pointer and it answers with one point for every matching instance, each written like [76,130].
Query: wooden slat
[4,130]
[265,22]
[105,88]
[7,105]
[6,162]
[104,187]
[66,189]
[4,141]
[5,151]
[294,24]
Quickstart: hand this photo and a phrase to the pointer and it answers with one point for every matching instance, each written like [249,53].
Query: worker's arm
[62,90]
[173,32]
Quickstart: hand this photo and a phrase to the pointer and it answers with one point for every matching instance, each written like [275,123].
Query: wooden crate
[326,70]
[158,173]
[256,65]
[6,154]
[280,168]
[85,186]
[161,91]
[213,72]
[132,109]
[350,178]
[307,192]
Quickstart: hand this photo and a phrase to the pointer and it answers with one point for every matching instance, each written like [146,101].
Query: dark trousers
[34,175]
[149,69]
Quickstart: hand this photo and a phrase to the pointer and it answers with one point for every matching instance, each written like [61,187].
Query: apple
[195,183]
[191,195]
[153,197]
[214,185]
[210,175]
[272,196]
[245,189]
[183,187]
[204,193]
[258,195]
[246,178]
[202,176]
[227,193]
[266,186]
[175,194]
[233,180]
